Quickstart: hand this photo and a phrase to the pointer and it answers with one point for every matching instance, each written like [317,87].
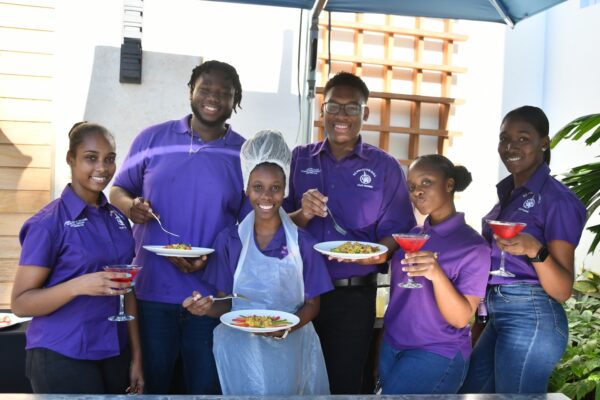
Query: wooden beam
[416,32]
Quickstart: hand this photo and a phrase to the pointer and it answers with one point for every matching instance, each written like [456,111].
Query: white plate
[325,248]
[14,320]
[194,252]
[227,319]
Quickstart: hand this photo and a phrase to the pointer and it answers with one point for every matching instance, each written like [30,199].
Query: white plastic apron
[256,365]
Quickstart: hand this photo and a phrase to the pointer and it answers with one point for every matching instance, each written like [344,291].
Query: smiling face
[521,149]
[211,98]
[266,188]
[92,166]
[431,192]
[343,129]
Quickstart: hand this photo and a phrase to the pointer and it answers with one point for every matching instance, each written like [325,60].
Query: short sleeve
[131,173]
[397,212]
[38,245]
[474,271]
[289,203]
[222,263]
[565,218]
[316,277]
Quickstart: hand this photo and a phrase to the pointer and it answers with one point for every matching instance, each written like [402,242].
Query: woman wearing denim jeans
[527,331]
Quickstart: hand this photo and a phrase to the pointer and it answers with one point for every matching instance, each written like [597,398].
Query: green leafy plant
[584,180]
[577,375]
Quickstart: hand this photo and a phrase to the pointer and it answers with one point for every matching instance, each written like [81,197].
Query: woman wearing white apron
[270,261]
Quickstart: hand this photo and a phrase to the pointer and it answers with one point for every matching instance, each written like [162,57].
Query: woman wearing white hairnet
[269,260]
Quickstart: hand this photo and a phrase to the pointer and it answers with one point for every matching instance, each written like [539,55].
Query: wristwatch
[540,256]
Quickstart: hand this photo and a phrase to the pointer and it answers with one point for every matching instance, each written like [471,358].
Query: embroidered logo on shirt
[118,218]
[78,223]
[311,171]
[365,177]
[529,202]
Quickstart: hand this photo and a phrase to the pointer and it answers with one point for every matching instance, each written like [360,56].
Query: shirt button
[332,186]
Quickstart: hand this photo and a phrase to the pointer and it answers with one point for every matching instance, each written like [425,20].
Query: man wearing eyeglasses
[365,190]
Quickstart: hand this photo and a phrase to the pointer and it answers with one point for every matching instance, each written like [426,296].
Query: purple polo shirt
[72,238]
[413,319]
[196,195]
[550,210]
[367,192]
[228,247]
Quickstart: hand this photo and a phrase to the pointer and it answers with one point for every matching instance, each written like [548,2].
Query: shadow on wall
[12,166]
[126,109]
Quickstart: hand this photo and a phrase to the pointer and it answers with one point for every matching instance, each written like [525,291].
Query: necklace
[191,150]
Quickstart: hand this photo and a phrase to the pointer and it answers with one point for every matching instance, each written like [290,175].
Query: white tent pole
[312,66]
[499,7]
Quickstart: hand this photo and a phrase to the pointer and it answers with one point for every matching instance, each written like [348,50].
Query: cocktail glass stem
[121,316]
[501,271]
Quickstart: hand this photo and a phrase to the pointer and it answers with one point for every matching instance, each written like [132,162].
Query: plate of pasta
[178,250]
[259,321]
[350,250]
[10,319]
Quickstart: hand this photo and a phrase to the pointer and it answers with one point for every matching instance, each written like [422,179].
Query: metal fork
[160,224]
[336,226]
[229,296]
[232,296]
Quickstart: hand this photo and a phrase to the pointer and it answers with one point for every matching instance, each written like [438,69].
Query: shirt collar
[447,227]
[75,205]
[182,126]
[534,183]
[277,241]
[325,147]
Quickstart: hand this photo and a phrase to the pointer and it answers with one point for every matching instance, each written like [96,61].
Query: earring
[544,149]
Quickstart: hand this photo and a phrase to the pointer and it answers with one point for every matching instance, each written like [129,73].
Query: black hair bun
[462,178]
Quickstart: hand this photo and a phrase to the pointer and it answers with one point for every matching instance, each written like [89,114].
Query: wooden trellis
[388,65]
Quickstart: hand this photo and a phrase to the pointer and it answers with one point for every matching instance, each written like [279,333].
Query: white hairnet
[266,146]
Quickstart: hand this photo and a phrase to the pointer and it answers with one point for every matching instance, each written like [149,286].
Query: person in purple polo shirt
[365,189]
[271,262]
[188,173]
[426,341]
[527,330]
[72,347]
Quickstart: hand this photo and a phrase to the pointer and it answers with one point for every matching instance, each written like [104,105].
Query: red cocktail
[410,242]
[132,270]
[506,230]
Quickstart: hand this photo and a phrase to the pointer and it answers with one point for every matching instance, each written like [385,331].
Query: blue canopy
[504,11]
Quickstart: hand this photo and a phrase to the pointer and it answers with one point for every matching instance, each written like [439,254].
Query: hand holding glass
[410,242]
[132,270]
[506,230]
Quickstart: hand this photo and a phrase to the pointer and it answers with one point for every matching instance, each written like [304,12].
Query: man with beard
[186,172]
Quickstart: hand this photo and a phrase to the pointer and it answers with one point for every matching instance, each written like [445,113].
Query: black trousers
[345,327]
[51,372]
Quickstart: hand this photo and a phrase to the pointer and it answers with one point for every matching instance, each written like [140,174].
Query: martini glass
[131,270]
[506,230]
[410,242]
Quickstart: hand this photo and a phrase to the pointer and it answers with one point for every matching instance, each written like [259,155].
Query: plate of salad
[178,250]
[259,321]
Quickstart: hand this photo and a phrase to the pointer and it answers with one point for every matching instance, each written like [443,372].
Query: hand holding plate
[189,265]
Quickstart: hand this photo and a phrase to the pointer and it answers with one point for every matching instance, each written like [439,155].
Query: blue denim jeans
[525,337]
[419,371]
[168,331]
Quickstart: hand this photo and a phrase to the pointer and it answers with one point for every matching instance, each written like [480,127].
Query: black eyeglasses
[350,109]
